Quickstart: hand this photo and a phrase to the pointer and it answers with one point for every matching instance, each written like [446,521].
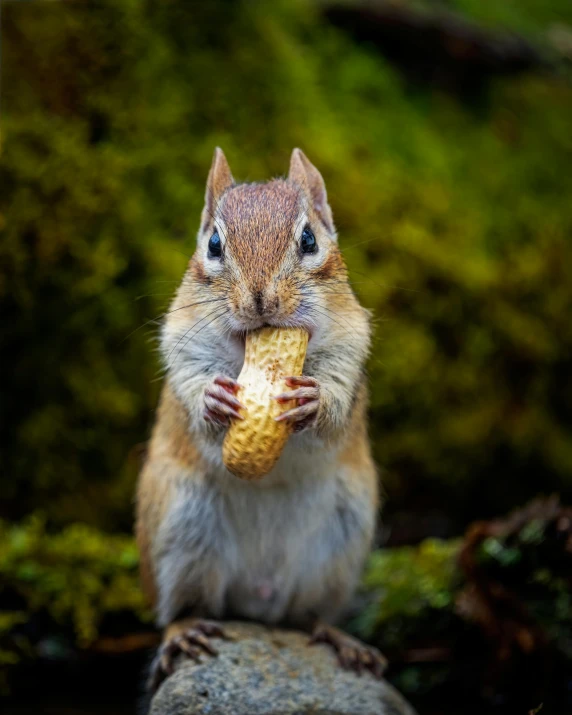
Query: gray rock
[267,671]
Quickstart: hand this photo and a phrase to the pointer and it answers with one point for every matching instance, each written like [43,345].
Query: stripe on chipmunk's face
[259,220]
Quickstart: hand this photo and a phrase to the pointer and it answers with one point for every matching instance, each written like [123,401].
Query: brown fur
[197,271]
[170,447]
[305,174]
[219,180]
[333,267]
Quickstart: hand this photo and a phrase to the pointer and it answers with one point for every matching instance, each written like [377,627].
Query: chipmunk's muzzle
[277,304]
[254,306]
[266,307]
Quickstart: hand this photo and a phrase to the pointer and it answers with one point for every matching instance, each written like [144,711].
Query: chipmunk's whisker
[205,317]
[169,312]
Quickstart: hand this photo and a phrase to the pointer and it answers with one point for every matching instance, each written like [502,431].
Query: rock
[266,671]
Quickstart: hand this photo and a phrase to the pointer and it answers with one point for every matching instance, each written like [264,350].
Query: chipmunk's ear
[219,180]
[305,174]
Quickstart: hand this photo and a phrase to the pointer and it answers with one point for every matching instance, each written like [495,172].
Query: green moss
[411,579]
[74,581]
[408,591]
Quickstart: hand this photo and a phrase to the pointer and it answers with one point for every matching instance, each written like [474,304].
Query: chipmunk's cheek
[287,291]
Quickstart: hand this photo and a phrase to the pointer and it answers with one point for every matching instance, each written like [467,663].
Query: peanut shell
[253,445]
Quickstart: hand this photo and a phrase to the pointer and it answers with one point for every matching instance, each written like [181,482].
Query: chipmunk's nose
[266,305]
[259,300]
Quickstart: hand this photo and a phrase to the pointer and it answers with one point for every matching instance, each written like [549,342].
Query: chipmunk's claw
[192,642]
[307,396]
[220,401]
[229,383]
[352,654]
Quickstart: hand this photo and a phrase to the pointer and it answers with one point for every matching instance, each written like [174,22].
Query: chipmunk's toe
[307,398]
[220,402]
[352,654]
[192,642]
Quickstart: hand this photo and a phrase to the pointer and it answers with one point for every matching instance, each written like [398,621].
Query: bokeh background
[443,129]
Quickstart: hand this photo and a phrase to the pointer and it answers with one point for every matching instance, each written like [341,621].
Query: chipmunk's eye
[215,246]
[308,241]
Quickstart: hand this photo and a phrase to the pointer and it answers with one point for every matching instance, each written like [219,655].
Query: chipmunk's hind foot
[352,654]
[192,640]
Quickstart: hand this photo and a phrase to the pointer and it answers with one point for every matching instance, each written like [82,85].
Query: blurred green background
[446,146]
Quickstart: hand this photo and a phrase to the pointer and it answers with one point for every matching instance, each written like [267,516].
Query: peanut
[253,445]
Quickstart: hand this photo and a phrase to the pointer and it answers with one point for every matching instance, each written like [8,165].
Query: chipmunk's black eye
[308,241]
[215,246]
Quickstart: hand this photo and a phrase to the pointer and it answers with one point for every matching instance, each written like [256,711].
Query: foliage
[456,225]
[546,593]
[488,612]
[527,16]
[407,582]
[533,561]
[531,18]
[408,597]
[71,582]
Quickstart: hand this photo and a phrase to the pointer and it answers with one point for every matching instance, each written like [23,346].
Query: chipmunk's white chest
[277,543]
[253,550]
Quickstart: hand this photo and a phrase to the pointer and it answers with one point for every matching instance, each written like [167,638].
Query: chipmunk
[288,548]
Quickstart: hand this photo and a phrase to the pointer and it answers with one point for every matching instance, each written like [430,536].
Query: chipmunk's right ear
[219,180]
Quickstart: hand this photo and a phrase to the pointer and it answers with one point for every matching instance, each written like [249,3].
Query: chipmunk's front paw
[307,396]
[192,642]
[220,402]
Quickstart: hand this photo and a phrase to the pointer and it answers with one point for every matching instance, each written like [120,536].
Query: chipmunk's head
[268,249]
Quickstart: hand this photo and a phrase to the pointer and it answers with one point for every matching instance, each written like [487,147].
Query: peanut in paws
[253,445]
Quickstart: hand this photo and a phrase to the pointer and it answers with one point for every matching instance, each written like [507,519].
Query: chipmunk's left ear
[305,174]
